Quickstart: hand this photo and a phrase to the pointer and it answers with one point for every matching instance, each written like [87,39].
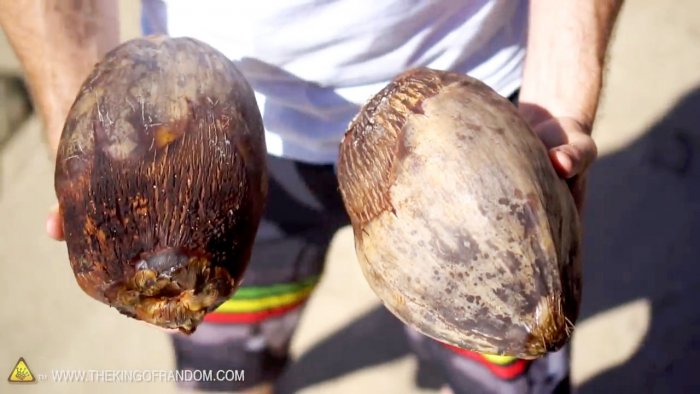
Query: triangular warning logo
[21,373]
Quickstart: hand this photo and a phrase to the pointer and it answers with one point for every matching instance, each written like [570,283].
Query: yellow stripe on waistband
[500,360]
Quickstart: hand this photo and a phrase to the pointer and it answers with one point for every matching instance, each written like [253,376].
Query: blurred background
[640,327]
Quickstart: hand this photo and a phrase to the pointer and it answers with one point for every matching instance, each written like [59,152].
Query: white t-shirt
[313,63]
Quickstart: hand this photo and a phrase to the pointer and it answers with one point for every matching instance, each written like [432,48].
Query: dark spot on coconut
[470,298]
[540,280]
[491,245]
[513,263]
[529,221]
[466,249]
[518,193]
[502,294]
[475,127]
[483,311]
[505,319]
[503,201]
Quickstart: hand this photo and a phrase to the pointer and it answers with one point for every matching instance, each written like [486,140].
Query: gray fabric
[302,214]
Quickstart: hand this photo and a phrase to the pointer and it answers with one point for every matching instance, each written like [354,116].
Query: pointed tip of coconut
[551,328]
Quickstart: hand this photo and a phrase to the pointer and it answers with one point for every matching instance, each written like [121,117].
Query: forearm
[567,43]
[57,44]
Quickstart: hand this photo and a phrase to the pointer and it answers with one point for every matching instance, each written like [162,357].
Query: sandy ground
[640,327]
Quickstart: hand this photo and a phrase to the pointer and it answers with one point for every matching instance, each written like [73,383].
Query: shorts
[252,331]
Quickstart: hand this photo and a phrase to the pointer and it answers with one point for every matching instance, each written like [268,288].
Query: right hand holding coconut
[570,146]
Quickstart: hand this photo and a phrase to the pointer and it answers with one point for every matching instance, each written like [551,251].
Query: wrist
[53,106]
[552,91]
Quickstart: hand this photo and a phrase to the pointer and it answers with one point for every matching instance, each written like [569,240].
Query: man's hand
[567,44]
[571,148]
[54,224]
[568,140]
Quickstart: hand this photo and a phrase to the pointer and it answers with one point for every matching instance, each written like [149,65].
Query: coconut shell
[161,180]
[462,227]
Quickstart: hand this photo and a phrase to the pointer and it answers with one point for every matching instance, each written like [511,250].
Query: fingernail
[563,163]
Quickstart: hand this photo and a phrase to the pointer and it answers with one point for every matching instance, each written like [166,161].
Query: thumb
[54,224]
[575,156]
[571,148]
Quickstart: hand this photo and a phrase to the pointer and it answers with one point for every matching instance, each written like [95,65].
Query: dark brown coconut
[161,180]
[461,224]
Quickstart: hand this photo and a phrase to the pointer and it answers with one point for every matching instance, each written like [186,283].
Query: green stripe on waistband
[251,292]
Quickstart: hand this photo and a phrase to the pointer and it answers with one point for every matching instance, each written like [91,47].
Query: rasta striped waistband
[504,367]
[252,304]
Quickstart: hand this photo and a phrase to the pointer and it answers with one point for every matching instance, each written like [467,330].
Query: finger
[574,157]
[54,224]
[561,162]
[552,132]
